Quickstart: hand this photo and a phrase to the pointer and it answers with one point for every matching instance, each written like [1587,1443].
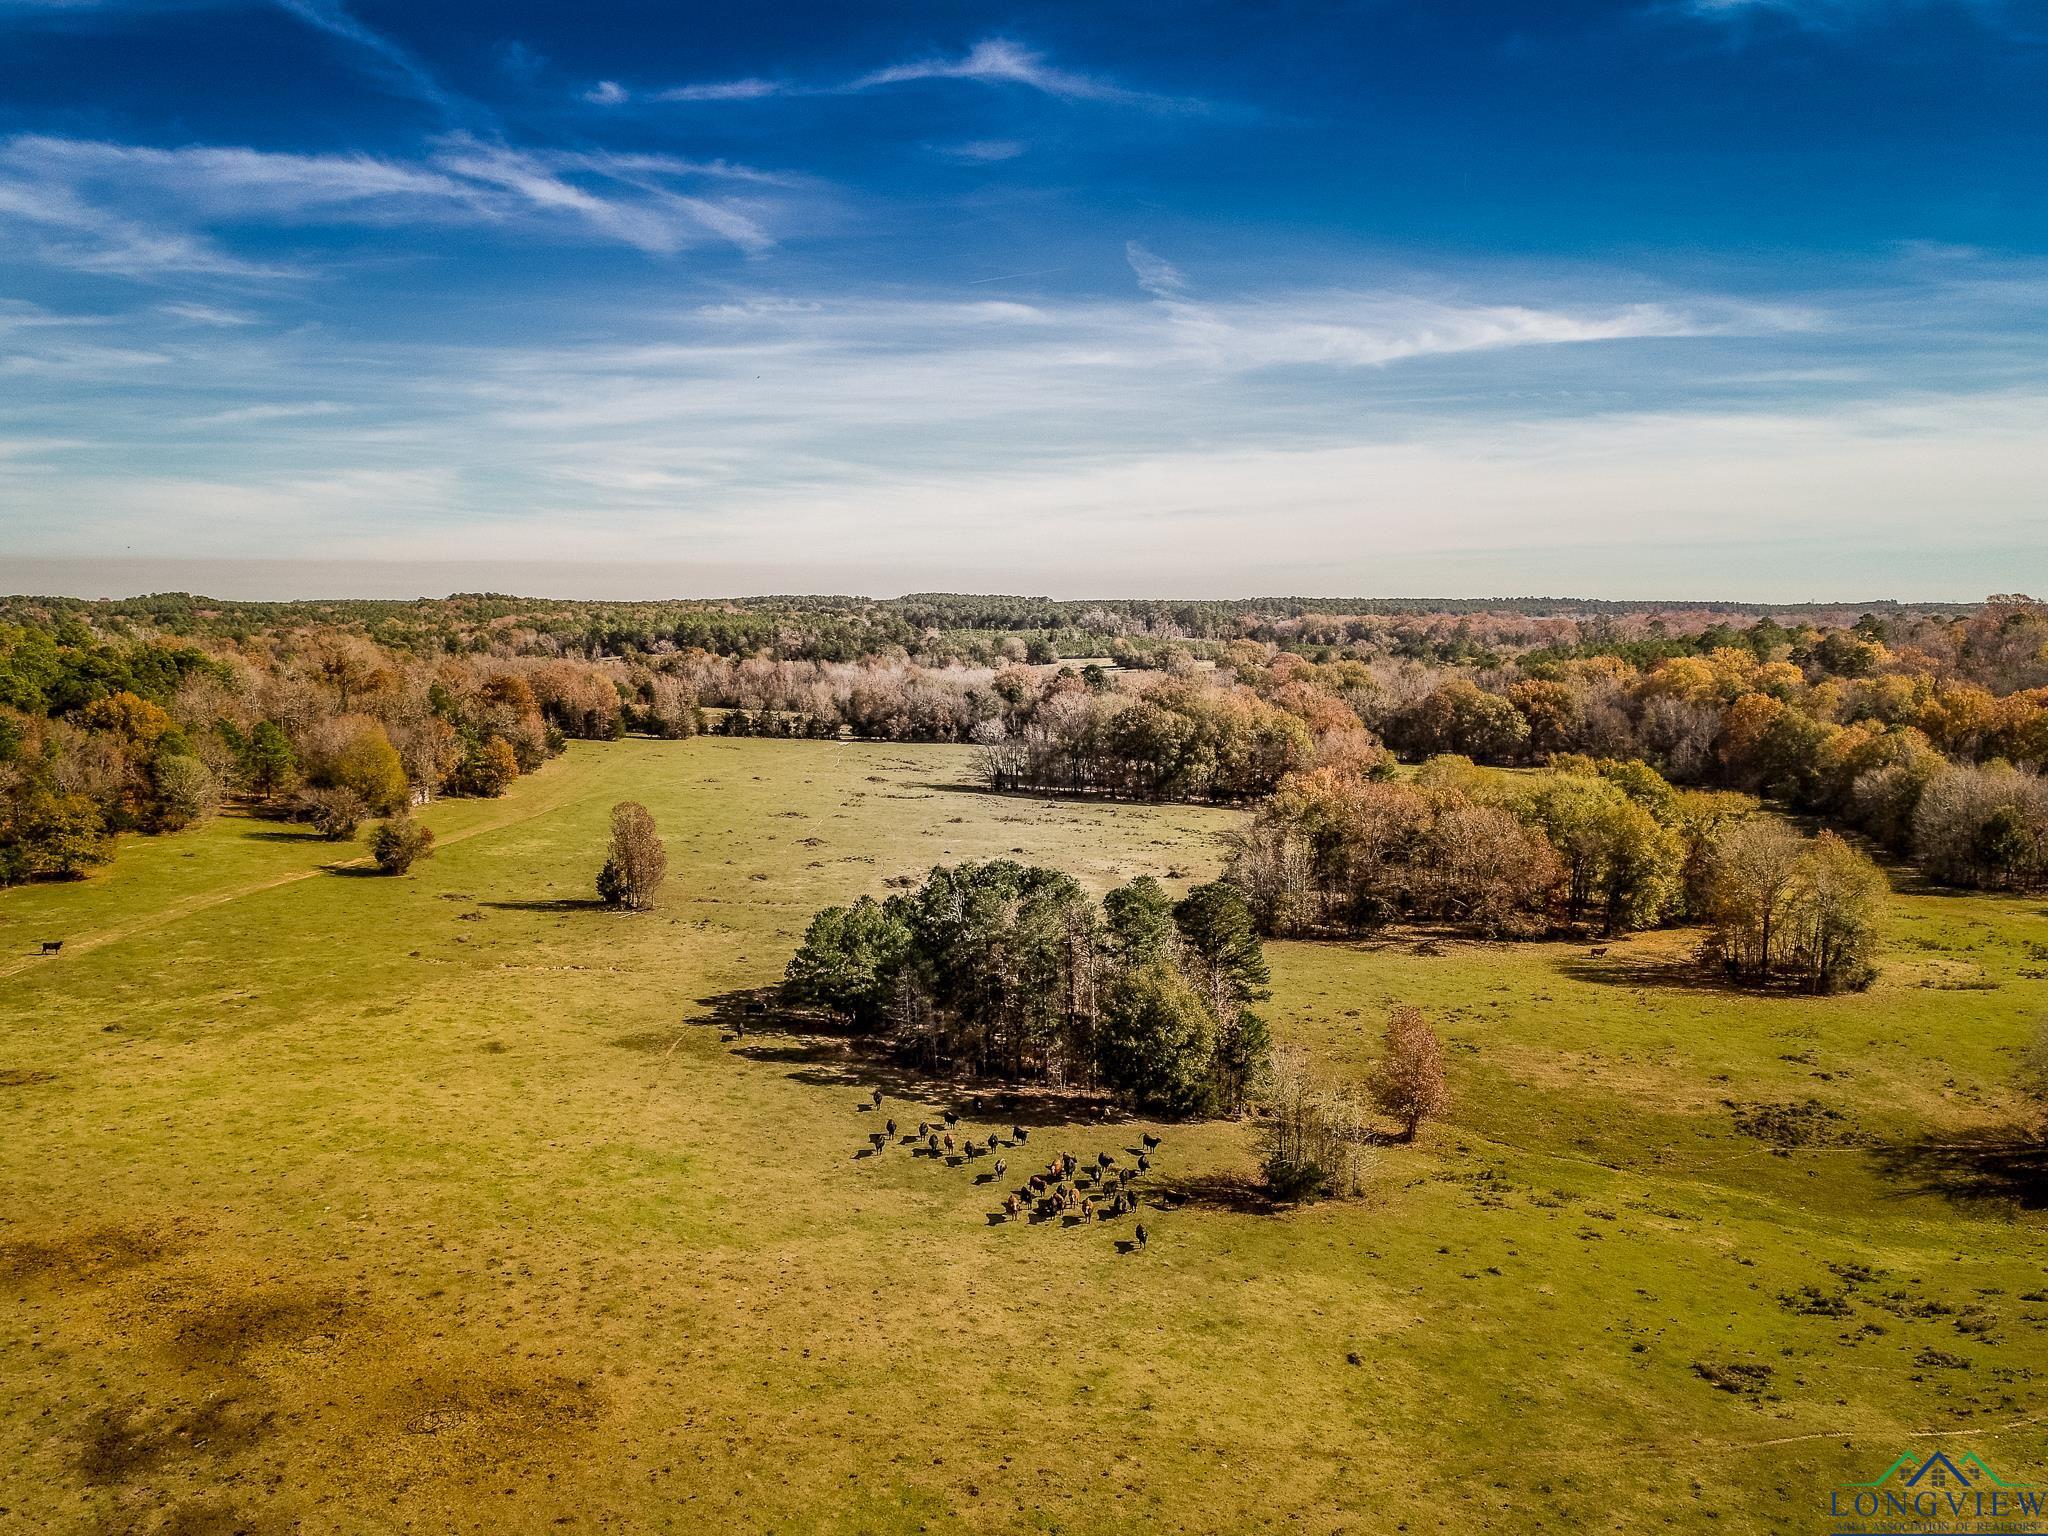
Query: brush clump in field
[1795,1125]
[1742,1378]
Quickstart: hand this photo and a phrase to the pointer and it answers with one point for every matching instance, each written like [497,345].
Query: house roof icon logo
[1939,1492]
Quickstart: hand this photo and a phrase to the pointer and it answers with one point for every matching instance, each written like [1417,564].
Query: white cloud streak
[993,61]
[132,210]
[1156,275]
[392,62]
[998,61]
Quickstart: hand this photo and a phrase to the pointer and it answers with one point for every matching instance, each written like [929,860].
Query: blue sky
[1678,298]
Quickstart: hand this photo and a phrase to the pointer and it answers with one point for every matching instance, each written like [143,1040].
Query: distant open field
[339,1203]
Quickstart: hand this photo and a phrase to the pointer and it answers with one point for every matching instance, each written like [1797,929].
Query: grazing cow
[931,1143]
[1134,1199]
[949,1141]
[892,1128]
[1142,1236]
[1087,1210]
[1144,1163]
[924,1127]
[951,1118]
[1103,1159]
[1038,1182]
[1150,1141]
[1019,1135]
[1001,1164]
[877,1139]
[1009,1205]
[878,1098]
[1071,1163]
[1600,951]
[52,946]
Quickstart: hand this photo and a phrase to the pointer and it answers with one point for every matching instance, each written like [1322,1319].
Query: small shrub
[399,842]
[1812,1301]
[1786,1126]
[1740,1378]
[336,813]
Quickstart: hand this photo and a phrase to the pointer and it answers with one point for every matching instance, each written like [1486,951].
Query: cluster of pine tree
[1017,973]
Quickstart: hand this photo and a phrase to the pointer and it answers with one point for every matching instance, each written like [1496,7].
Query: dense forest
[1924,727]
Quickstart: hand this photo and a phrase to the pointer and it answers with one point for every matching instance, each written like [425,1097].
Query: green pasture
[338,1203]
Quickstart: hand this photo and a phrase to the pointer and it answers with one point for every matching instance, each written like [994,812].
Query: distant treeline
[1925,727]
[931,627]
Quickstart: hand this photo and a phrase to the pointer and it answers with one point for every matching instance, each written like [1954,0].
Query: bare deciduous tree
[638,862]
[1312,1135]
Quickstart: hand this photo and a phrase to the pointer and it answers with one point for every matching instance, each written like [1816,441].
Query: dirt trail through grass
[177,912]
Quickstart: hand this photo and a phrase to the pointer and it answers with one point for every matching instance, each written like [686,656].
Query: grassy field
[332,1203]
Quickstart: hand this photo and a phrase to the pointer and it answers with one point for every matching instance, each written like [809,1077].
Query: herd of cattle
[1066,1187]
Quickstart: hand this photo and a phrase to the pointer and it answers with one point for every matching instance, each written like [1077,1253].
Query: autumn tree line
[100,735]
[1608,846]
[1925,728]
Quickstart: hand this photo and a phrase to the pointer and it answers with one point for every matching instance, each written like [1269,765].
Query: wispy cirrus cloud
[995,61]
[392,62]
[982,151]
[267,411]
[999,61]
[144,211]
[1151,439]
[1837,15]
[1156,275]
[65,230]
[206,314]
[1339,329]
[749,89]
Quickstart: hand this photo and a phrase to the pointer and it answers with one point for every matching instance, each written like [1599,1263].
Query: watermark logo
[1939,1495]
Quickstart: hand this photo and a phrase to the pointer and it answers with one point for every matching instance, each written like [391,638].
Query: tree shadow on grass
[287,835]
[554,904]
[823,1051]
[2004,1167]
[796,1050]
[354,871]
[1640,972]
[1234,1192]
